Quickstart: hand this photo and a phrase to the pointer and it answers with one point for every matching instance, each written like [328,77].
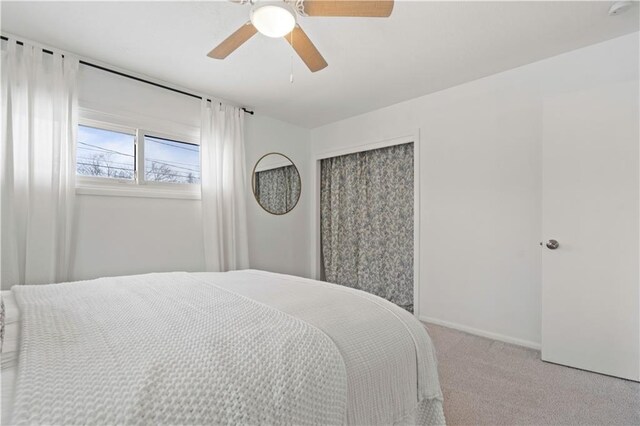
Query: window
[105,153]
[120,160]
[171,161]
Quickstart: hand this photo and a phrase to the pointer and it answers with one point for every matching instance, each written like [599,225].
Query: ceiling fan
[278,19]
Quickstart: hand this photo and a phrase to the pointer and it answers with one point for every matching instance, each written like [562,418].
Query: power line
[180,176]
[150,172]
[105,149]
[153,161]
[160,172]
[171,165]
[129,155]
[108,162]
[171,162]
[106,167]
[166,162]
[155,140]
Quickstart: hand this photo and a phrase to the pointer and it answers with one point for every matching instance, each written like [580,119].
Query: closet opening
[367,222]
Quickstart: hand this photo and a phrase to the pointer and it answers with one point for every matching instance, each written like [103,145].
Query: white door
[591,191]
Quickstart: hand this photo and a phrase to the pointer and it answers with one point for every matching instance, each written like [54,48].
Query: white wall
[130,235]
[480,162]
[279,243]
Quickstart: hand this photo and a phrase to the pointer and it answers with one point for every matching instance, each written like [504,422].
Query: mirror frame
[253,183]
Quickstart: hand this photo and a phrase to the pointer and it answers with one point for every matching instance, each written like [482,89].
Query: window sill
[140,191]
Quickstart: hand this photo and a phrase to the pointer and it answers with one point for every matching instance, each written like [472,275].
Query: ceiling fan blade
[234,41]
[364,8]
[300,42]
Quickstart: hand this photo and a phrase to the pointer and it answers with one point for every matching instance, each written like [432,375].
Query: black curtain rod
[132,77]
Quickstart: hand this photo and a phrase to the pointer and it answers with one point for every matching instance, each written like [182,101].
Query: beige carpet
[492,383]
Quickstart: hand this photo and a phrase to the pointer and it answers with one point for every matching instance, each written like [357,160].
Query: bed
[243,347]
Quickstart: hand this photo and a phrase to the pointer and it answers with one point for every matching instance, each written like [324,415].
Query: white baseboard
[482,333]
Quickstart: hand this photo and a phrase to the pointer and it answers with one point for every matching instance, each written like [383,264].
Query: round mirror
[276,183]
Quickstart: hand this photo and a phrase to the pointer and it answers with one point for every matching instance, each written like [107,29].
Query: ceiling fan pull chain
[291,76]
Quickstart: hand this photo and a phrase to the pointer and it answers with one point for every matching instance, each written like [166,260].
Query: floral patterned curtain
[277,190]
[366,217]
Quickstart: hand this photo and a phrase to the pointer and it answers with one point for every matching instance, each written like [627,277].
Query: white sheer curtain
[39,121]
[224,210]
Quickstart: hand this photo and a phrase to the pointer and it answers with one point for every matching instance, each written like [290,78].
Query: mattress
[389,364]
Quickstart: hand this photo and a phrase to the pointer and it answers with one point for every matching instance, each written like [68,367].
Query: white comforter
[241,347]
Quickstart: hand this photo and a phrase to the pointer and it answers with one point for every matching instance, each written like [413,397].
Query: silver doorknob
[553,244]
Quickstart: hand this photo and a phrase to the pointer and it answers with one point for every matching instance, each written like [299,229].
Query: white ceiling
[422,48]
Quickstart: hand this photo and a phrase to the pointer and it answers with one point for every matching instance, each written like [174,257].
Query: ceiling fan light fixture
[273,20]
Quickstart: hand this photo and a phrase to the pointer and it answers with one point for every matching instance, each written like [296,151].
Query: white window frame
[100,181]
[137,187]
[140,159]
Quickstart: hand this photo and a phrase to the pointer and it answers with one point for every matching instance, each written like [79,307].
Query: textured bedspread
[220,348]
